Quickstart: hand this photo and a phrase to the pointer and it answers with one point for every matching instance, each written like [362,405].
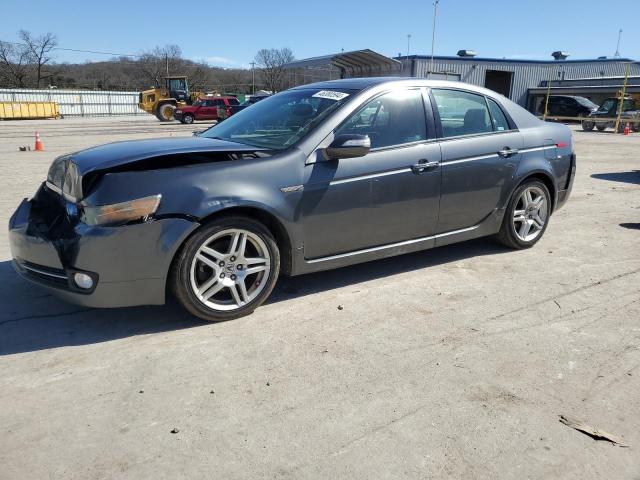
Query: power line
[80,51]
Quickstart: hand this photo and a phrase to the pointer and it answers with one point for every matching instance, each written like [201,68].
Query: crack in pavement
[48,315]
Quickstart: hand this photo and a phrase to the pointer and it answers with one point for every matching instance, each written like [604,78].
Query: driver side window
[394,118]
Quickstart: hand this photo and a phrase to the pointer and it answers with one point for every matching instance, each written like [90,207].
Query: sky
[230,36]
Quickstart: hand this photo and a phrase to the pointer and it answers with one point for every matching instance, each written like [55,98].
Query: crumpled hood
[110,155]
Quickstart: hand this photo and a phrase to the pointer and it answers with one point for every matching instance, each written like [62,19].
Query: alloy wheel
[530,214]
[230,269]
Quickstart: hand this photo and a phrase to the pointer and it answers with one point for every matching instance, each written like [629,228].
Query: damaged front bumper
[128,265]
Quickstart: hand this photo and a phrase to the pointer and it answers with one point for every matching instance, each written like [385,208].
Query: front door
[388,196]
[480,153]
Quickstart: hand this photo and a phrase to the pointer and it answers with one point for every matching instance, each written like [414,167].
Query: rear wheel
[164,113]
[588,125]
[601,127]
[227,269]
[527,215]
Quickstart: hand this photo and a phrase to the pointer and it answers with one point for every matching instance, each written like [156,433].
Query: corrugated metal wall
[87,103]
[525,74]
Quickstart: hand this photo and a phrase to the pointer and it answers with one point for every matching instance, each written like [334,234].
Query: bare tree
[271,62]
[14,60]
[161,62]
[39,52]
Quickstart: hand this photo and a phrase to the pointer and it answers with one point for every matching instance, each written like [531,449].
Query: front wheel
[187,118]
[527,215]
[164,113]
[227,269]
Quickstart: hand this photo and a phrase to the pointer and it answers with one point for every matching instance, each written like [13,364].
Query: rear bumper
[563,195]
[129,264]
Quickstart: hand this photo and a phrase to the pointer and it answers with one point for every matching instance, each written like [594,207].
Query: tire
[601,127]
[524,209]
[635,127]
[187,118]
[208,273]
[587,126]
[164,112]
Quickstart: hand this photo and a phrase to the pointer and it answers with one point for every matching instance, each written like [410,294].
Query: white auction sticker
[331,95]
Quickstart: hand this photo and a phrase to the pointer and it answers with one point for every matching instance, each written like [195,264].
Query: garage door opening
[499,81]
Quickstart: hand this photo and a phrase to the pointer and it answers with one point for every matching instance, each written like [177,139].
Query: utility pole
[408,43]
[166,59]
[617,54]
[433,34]
[253,77]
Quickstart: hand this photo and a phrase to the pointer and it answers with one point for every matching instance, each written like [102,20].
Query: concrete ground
[450,363]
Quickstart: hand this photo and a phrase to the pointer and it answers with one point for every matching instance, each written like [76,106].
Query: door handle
[507,152]
[424,166]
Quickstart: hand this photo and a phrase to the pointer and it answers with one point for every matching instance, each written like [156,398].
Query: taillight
[562,145]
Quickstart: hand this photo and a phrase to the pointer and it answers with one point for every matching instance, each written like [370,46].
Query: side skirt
[489,226]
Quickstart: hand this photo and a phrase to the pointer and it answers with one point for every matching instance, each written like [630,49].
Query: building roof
[356,60]
[512,60]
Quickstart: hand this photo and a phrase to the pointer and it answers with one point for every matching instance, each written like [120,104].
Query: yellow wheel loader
[161,101]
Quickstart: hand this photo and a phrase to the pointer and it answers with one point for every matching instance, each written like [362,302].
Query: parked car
[253,99]
[568,106]
[313,178]
[609,109]
[205,109]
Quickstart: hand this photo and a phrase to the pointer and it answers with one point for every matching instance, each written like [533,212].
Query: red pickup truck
[205,109]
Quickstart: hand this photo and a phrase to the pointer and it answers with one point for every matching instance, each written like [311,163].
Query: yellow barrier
[28,110]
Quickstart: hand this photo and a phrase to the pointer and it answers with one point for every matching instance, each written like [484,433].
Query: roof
[356,60]
[507,60]
[352,83]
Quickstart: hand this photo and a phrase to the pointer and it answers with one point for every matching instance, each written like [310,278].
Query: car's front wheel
[187,118]
[226,269]
[527,215]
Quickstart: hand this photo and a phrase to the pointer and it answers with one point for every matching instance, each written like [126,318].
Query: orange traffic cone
[626,129]
[39,147]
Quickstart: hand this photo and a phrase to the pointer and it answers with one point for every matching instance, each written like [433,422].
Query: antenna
[617,54]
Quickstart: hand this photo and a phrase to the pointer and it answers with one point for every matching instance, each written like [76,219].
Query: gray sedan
[316,177]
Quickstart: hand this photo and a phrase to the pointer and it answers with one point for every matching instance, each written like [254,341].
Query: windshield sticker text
[331,95]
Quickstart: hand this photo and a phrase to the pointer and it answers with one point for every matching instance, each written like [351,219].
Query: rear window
[233,101]
[462,113]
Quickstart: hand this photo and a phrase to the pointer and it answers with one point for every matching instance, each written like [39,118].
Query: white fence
[85,103]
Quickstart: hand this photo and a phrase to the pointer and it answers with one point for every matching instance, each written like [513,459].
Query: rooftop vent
[560,55]
[466,53]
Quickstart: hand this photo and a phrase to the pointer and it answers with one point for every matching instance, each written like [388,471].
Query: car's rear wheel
[187,118]
[588,125]
[527,215]
[227,269]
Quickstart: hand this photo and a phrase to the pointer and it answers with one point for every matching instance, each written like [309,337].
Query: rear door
[480,153]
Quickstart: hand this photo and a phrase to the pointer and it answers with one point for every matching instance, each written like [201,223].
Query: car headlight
[121,213]
[178,111]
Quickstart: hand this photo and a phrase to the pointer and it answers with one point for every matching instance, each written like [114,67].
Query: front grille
[55,277]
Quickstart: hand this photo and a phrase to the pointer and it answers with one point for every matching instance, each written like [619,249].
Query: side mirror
[349,146]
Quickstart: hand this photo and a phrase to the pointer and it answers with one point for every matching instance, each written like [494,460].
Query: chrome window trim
[392,245]
[59,191]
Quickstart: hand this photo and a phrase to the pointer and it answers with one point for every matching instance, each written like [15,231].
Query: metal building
[519,80]
[514,78]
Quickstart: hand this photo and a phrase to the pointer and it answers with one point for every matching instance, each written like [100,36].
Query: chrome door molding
[392,245]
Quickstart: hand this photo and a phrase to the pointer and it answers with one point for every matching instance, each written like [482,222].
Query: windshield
[608,105]
[280,121]
[585,102]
